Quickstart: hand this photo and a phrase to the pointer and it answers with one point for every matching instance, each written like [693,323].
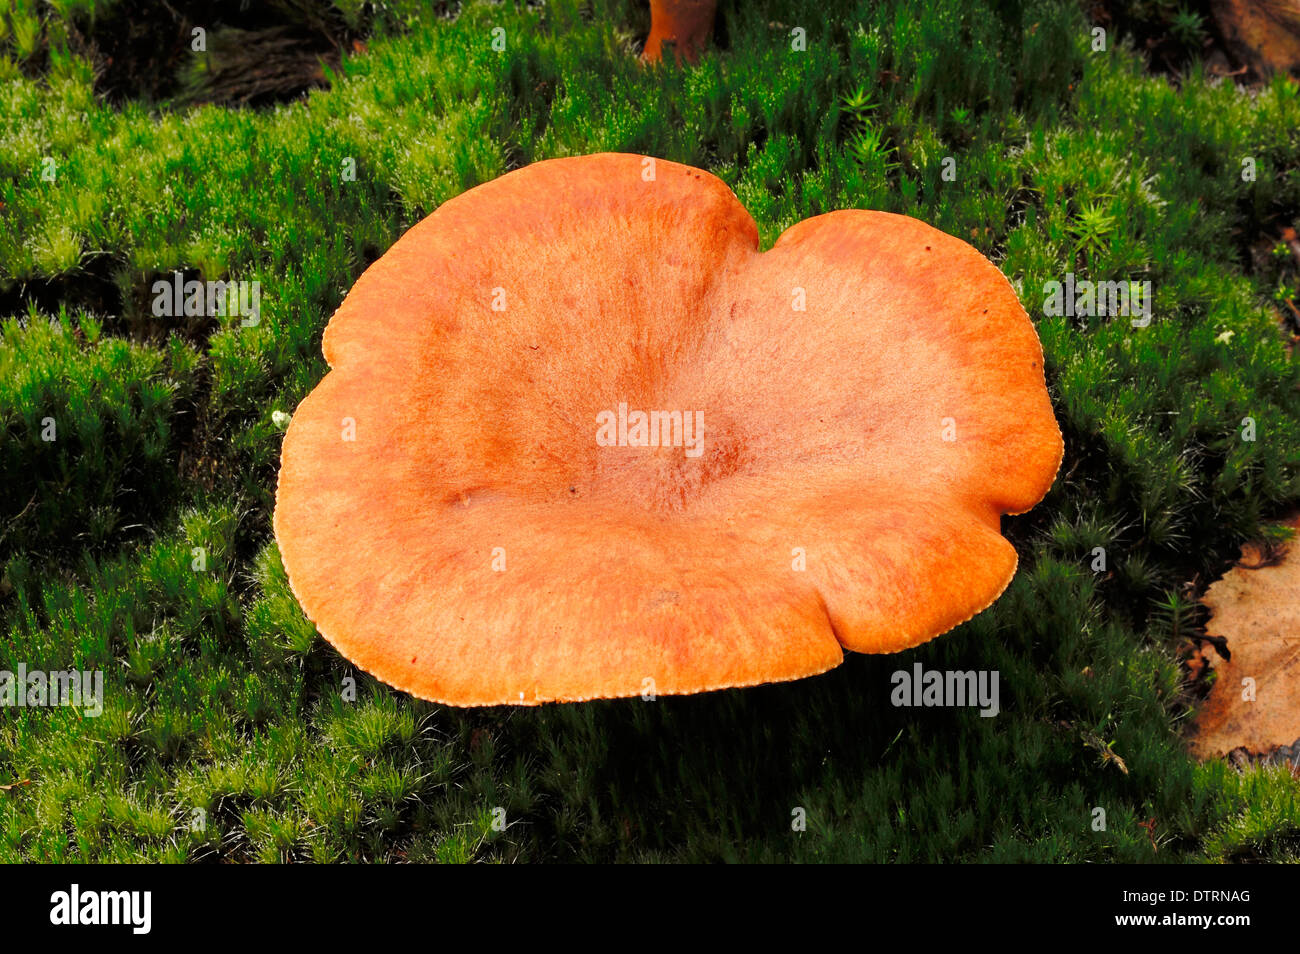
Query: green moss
[138,543]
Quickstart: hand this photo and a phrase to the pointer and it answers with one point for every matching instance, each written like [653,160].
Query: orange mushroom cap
[872,401]
[681,25]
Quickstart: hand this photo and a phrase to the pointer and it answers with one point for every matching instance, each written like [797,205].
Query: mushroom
[683,25]
[470,507]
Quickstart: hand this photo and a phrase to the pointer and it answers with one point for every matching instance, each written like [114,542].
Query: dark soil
[256,54]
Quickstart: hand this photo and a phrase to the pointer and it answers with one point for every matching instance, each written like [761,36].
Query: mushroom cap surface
[872,398]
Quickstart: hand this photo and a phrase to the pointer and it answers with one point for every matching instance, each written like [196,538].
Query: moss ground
[220,696]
